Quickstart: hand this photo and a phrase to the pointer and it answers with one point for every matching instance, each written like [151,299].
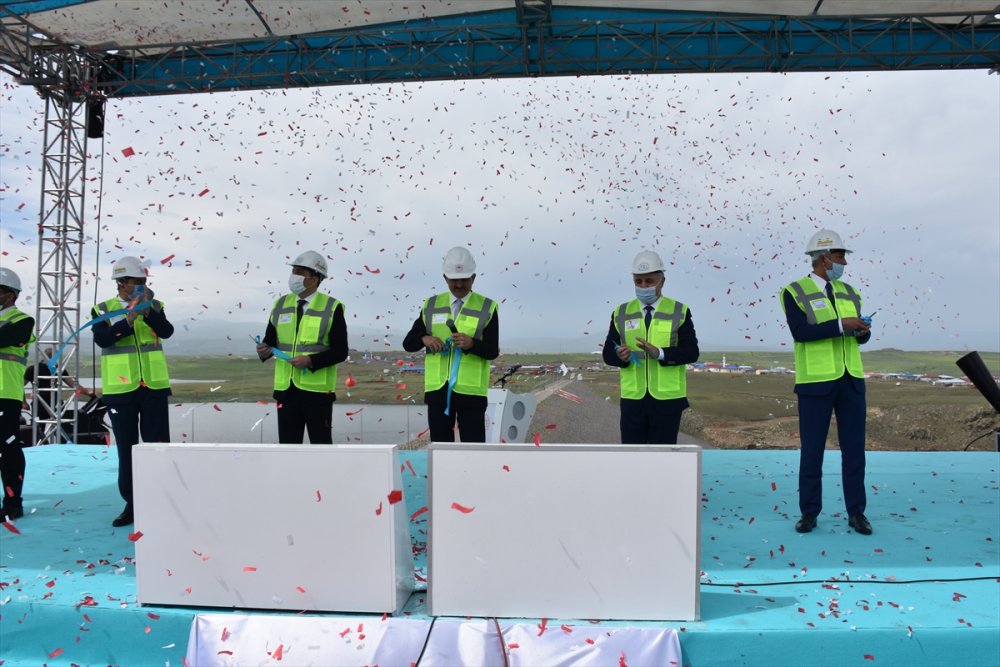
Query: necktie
[455,307]
[829,294]
[649,315]
[298,313]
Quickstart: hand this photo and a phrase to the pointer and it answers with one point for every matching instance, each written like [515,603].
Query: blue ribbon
[278,354]
[53,362]
[453,378]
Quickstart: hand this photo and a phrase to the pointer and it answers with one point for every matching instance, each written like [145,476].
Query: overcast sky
[554,185]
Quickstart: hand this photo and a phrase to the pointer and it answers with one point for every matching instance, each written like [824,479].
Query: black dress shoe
[123,519]
[860,524]
[805,524]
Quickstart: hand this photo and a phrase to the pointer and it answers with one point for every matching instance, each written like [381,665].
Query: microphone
[451,325]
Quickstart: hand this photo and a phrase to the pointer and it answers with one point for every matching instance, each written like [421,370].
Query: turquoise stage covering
[923,590]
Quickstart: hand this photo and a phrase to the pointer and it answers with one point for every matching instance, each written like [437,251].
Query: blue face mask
[835,272]
[647,295]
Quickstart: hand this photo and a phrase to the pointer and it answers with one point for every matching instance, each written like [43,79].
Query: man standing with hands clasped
[824,316]
[307,333]
[651,340]
[134,374]
[457,326]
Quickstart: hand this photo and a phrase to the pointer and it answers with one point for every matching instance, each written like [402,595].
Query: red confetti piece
[55,654]
[167,259]
[506,468]
[371,270]
[11,527]
[422,510]
[319,497]
[538,440]
[300,589]
[462,508]
[410,466]
[203,192]
[378,510]
[152,616]
[225,634]
[774,486]
[514,645]
[565,628]
[135,537]
[543,626]
[223,652]
[395,496]
[621,660]
[50,583]
[216,407]
[128,152]
[278,651]
[869,656]
[550,427]
[589,640]
[249,568]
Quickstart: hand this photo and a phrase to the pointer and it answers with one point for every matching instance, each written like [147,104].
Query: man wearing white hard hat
[457,322]
[824,317]
[651,340]
[17,333]
[309,331]
[134,379]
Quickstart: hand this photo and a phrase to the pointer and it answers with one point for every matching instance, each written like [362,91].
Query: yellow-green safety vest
[825,360]
[473,371]
[307,337]
[133,361]
[662,382]
[13,359]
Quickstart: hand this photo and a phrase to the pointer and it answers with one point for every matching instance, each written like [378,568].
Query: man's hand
[461,340]
[650,349]
[432,343]
[301,361]
[854,326]
[263,351]
[624,353]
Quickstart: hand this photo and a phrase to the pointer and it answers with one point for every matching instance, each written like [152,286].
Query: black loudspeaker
[95,118]
[972,365]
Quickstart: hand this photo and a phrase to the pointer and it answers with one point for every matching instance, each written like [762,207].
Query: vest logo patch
[439,318]
[818,304]
[631,324]
[284,319]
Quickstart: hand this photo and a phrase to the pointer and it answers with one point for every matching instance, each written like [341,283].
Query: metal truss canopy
[533,39]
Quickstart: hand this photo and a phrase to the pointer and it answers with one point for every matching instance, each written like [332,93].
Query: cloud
[554,184]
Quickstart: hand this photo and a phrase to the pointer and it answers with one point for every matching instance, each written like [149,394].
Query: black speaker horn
[975,369]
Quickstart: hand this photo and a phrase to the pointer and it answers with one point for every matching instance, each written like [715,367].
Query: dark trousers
[11,456]
[142,411]
[471,423]
[848,403]
[648,421]
[299,411]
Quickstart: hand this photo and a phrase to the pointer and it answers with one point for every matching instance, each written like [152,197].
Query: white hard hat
[313,261]
[647,261]
[458,264]
[128,267]
[9,279]
[825,240]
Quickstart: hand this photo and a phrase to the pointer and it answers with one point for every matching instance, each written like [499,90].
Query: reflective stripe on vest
[13,359]
[307,338]
[133,361]
[827,359]
[661,382]
[473,371]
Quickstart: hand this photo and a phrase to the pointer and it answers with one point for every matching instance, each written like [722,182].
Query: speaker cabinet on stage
[564,531]
[508,415]
[290,527]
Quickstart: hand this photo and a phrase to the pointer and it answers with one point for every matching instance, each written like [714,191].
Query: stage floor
[923,590]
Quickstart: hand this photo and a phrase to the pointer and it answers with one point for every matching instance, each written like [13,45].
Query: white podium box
[290,527]
[564,531]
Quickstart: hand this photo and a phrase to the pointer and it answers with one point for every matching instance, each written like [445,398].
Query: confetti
[462,508]
[395,496]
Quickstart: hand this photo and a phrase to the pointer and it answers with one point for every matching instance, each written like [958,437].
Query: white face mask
[297,284]
[835,272]
[647,295]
